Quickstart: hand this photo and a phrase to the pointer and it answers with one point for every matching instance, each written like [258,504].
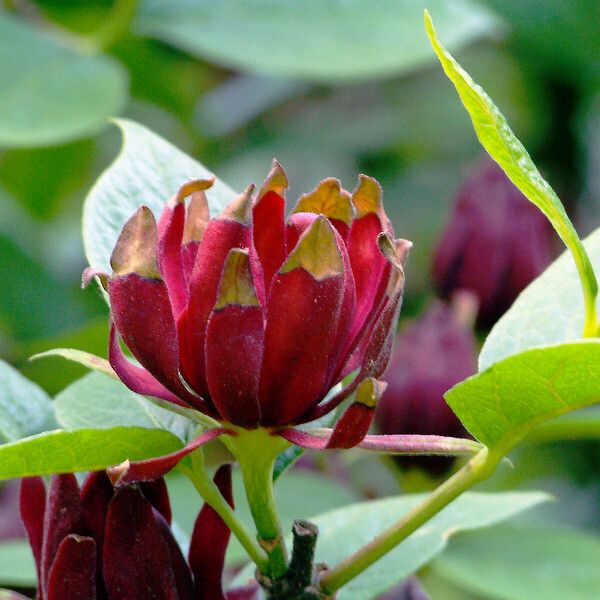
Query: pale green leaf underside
[17,567]
[82,450]
[511,562]
[319,40]
[99,402]
[149,170]
[344,530]
[51,93]
[25,408]
[503,146]
[549,311]
[504,403]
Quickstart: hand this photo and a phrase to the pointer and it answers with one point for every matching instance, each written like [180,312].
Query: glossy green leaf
[148,171]
[503,146]
[549,311]
[99,402]
[344,530]
[17,567]
[291,497]
[82,450]
[319,40]
[50,92]
[511,562]
[503,404]
[25,408]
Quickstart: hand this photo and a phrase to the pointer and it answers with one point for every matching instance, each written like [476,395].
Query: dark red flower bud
[430,356]
[248,317]
[495,244]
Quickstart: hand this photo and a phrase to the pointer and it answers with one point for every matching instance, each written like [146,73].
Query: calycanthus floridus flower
[250,318]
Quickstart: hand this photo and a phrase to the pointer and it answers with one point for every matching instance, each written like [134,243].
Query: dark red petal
[141,310]
[301,325]
[354,424]
[137,379]
[209,543]
[135,563]
[157,494]
[221,235]
[181,571]
[33,505]
[62,517]
[73,572]
[154,468]
[234,344]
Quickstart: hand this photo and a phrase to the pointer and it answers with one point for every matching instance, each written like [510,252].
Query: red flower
[99,543]
[251,318]
[495,244]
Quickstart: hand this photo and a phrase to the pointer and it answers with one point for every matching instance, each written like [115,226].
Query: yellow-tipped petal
[328,199]
[135,250]
[316,252]
[367,197]
[240,209]
[188,188]
[276,181]
[237,285]
[197,218]
[369,392]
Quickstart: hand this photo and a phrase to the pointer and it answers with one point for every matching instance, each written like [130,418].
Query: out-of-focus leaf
[549,311]
[292,499]
[17,567]
[98,402]
[511,562]
[504,403]
[25,408]
[148,171]
[82,450]
[319,40]
[438,588]
[358,523]
[49,91]
[503,146]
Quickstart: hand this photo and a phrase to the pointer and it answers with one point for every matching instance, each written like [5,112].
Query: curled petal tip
[237,285]
[118,472]
[135,250]
[190,187]
[276,181]
[328,199]
[367,197]
[89,273]
[240,209]
[317,252]
[197,218]
[395,251]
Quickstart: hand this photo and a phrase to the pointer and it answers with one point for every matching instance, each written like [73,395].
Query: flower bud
[430,356]
[249,317]
[494,245]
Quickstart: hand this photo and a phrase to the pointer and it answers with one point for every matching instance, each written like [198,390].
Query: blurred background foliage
[330,88]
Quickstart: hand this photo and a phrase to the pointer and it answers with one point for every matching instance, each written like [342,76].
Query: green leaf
[319,40]
[99,402]
[511,562]
[49,91]
[503,404]
[25,408]
[291,497]
[503,146]
[344,530]
[17,567]
[549,311]
[82,450]
[148,171]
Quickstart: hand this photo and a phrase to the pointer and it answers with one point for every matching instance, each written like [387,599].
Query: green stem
[210,493]
[256,451]
[478,468]
[115,25]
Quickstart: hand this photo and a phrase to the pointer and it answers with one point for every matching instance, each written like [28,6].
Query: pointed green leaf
[148,171]
[25,408]
[503,146]
[503,404]
[82,450]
